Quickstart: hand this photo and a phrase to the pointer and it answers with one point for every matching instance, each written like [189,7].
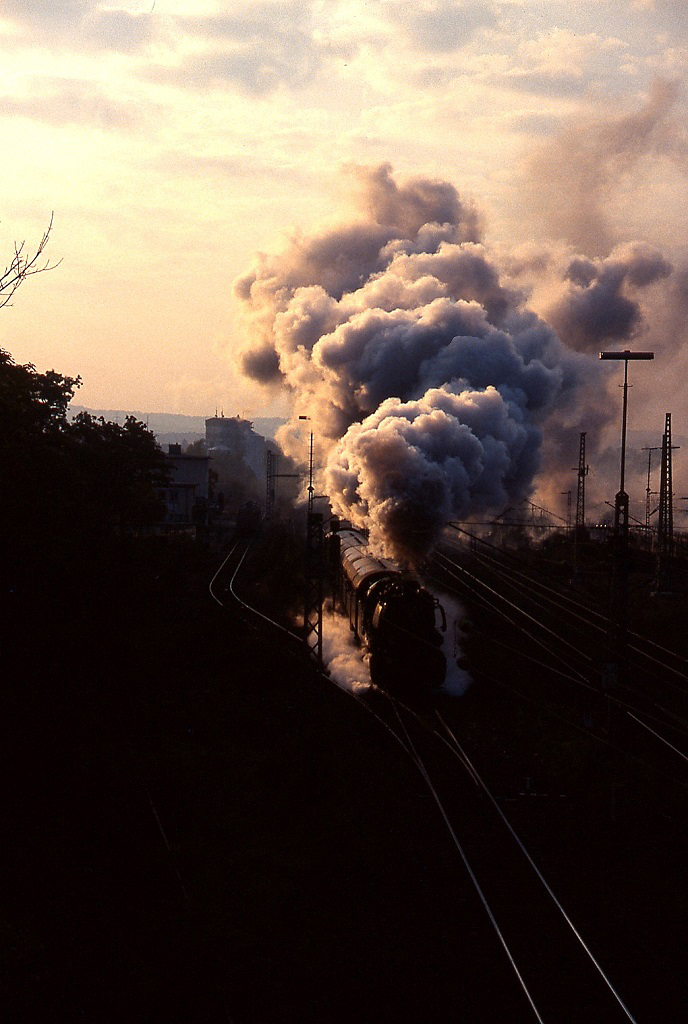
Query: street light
[622,497]
[619,609]
[311,496]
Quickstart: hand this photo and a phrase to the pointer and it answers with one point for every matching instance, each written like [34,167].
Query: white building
[236,436]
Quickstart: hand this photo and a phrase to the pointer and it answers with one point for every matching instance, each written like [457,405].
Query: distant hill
[171,427]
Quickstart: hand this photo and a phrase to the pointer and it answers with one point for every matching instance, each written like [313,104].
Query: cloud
[542,83]
[82,24]
[63,101]
[256,68]
[559,63]
[443,26]
[667,16]
[534,123]
[48,16]
[251,22]
[260,47]
[120,30]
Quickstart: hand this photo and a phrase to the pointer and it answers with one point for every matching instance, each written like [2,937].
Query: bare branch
[23,266]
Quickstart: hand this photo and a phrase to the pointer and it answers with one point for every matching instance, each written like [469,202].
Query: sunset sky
[175,140]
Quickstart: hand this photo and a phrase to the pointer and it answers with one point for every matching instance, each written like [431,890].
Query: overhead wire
[592,612]
[491,590]
[637,650]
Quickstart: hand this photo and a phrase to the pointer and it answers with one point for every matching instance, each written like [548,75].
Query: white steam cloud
[426,379]
[342,657]
[457,679]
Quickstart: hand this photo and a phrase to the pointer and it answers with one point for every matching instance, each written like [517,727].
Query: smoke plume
[426,379]
[600,299]
[576,173]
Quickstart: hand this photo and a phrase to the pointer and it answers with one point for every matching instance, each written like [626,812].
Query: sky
[174,141]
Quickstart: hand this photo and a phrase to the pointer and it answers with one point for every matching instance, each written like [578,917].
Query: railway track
[618,755]
[558,976]
[537,954]
[560,648]
[224,590]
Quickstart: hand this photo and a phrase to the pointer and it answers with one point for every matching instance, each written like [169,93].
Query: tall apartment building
[236,436]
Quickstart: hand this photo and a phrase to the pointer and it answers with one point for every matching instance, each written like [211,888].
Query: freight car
[391,614]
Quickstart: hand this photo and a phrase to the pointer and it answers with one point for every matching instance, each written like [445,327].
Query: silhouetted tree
[33,428]
[32,404]
[120,468]
[61,476]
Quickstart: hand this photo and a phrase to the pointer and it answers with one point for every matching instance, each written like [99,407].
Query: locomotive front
[392,615]
[405,644]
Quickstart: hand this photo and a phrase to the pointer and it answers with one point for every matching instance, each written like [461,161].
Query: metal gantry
[665,524]
[580,504]
[580,493]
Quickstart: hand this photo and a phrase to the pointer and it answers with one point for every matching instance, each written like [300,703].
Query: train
[391,614]
[248,520]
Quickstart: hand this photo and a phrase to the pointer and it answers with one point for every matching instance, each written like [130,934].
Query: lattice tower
[665,526]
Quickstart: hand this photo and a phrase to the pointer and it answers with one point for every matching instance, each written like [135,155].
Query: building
[235,436]
[186,495]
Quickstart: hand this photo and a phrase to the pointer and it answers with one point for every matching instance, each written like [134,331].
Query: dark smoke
[600,301]
[426,379]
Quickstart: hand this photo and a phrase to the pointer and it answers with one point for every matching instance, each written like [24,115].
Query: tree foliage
[85,475]
[120,465]
[32,404]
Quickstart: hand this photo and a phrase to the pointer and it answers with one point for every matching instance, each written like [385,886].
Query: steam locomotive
[248,519]
[391,614]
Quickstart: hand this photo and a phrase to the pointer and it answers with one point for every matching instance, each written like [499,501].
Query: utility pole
[568,510]
[272,477]
[648,492]
[315,570]
[270,466]
[617,667]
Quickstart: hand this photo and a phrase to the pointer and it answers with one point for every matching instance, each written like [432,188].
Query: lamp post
[315,568]
[619,596]
[621,507]
[311,494]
